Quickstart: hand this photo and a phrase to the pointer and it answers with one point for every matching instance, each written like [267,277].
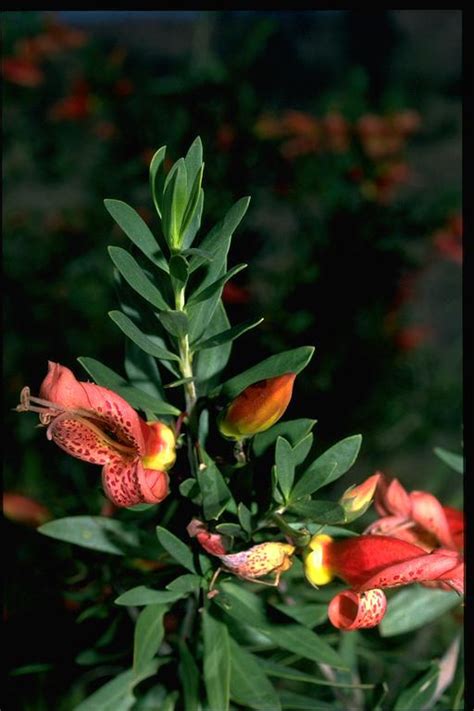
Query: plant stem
[299,538]
[185,359]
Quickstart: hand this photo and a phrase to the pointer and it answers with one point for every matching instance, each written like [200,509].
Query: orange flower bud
[257,408]
[357,499]
[22,509]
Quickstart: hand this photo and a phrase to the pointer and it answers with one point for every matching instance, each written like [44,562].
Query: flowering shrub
[214,501]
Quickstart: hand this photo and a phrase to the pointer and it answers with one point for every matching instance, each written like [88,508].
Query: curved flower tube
[371,563]
[257,408]
[417,517]
[271,557]
[96,425]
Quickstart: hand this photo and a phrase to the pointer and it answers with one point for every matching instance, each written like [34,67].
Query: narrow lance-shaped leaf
[148,636]
[176,548]
[141,595]
[292,361]
[215,492]
[136,398]
[136,277]
[96,532]
[319,511]
[217,242]
[453,460]
[216,662]
[209,291]
[117,694]
[189,676]
[285,468]
[332,464]
[193,201]
[249,686]
[133,332]
[292,430]
[157,178]
[175,322]
[136,230]
[229,335]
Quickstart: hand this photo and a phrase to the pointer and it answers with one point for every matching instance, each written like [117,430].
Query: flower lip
[98,426]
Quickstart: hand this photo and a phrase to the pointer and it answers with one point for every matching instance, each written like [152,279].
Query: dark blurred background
[343,126]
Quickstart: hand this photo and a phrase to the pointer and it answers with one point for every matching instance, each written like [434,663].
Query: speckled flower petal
[350,610]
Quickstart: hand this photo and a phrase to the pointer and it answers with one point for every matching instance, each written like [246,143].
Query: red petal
[154,485]
[82,440]
[350,610]
[121,483]
[109,409]
[391,498]
[428,513]
[430,566]
[127,483]
[455,520]
[356,560]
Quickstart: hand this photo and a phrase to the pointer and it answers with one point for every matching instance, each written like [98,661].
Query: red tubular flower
[371,563]
[96,425]
[257,408]
[23,509]
[417,517]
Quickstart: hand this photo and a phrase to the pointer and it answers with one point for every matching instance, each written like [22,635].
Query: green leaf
[185,583]
[292,430]
[117,694]
[241,604]
[285,468]
[176,548]
[209,364]
[157,178]
[196,252]
[142,371]
[297,702]
[96,532]
[453,460]
[247,608]
[217,242]
[419,695]
[245,517]
[136,230]
[179,271]
[332,464]
[193,160]
[318,511]
[189,676]
[305,643]
[148,636]
[175,195]
[141,595]
[286,672]
[191,211]
[136,277]
[230,529]
[215,492]
[216,286]
[302,449]
[308,615]
[292,361]
[175,322]
[249,685]
[414,607]
[132,331]
[136,398]
[216,662]
[229,335]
